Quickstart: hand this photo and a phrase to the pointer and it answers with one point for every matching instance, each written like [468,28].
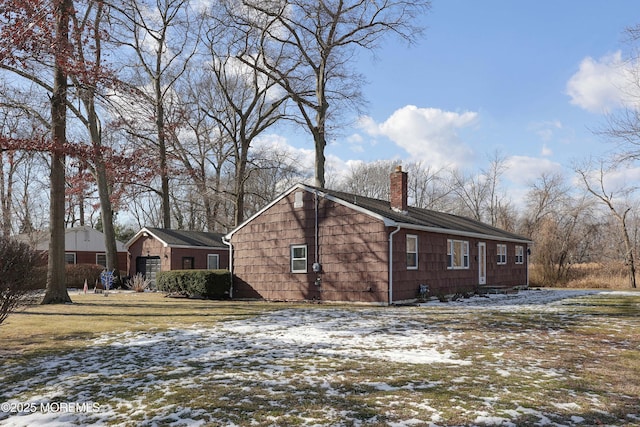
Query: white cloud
[546,151]
[278,143]
[546,130]
[601,85]
[523,170]
[428,134]
[335,167]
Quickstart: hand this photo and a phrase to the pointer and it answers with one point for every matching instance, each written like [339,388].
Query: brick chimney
[398,190]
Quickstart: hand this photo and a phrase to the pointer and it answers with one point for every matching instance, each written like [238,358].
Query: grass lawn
[142,359]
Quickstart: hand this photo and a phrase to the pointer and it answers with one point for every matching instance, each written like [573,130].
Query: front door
[482,263]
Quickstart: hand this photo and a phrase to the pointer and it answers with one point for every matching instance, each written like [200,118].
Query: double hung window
[519,254]
[502,254]
[457,254]
[412,252]
[298,258]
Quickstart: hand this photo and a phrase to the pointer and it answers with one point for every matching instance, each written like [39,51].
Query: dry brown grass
[43,328]
[576,361]
[612,275]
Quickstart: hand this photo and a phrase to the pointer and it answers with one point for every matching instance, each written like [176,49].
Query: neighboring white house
[82,245]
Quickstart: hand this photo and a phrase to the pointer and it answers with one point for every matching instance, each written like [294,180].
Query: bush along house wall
[210,284]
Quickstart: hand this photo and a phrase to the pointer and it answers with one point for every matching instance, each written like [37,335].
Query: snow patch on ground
[260,355]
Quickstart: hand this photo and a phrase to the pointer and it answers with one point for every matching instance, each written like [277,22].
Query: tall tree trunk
[319,130]
[56,292]
[162,148]
[241,171]
[6,191]
[319,164]
[628,246]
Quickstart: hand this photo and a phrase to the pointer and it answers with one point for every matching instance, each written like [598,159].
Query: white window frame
[519,254]
[414,238]
[216,263]
[295,269]
[463,248]
[98,259]
[73,254]
[501,253]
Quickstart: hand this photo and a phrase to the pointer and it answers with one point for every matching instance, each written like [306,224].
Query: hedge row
[212,284]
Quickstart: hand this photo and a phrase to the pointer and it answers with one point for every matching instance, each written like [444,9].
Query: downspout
[316,230]
[317,267]
[528,252]
[228,243]
[391,263]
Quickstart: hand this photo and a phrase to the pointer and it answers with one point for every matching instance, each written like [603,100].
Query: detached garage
[159,249]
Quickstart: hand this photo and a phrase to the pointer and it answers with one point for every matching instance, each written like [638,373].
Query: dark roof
[188,238]
[423,217]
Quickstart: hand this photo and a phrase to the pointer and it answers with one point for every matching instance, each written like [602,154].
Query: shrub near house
[211,284]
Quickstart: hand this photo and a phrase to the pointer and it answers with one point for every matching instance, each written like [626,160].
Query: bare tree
[10,161]
[319,41]
[56,292]
[623,125]
[479,195]
[242,100]
[204,151]
[429,188]
[90,73]
[561,225]
[369,179]
[162,36]
[619,204]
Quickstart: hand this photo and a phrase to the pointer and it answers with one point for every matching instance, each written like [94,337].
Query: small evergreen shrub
[211,284]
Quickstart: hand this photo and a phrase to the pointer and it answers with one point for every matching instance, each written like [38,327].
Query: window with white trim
[457,254]
[519,254]
[101,259]
[213,261]
[69,257]
[412,252]
[502,254]
[298,258]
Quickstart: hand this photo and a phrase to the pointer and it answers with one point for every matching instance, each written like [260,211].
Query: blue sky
[527,78]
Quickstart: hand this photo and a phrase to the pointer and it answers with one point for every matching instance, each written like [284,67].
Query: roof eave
[149,232]
[220,248]
[461,233]
[230,234]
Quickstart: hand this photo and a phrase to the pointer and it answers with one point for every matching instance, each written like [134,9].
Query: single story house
[160,249]
[317,244]
[82,245]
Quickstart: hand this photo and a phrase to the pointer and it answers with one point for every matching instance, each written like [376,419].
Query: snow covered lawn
[557,358]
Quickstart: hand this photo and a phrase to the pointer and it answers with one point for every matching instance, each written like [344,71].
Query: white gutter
[228,243]
[391,263]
